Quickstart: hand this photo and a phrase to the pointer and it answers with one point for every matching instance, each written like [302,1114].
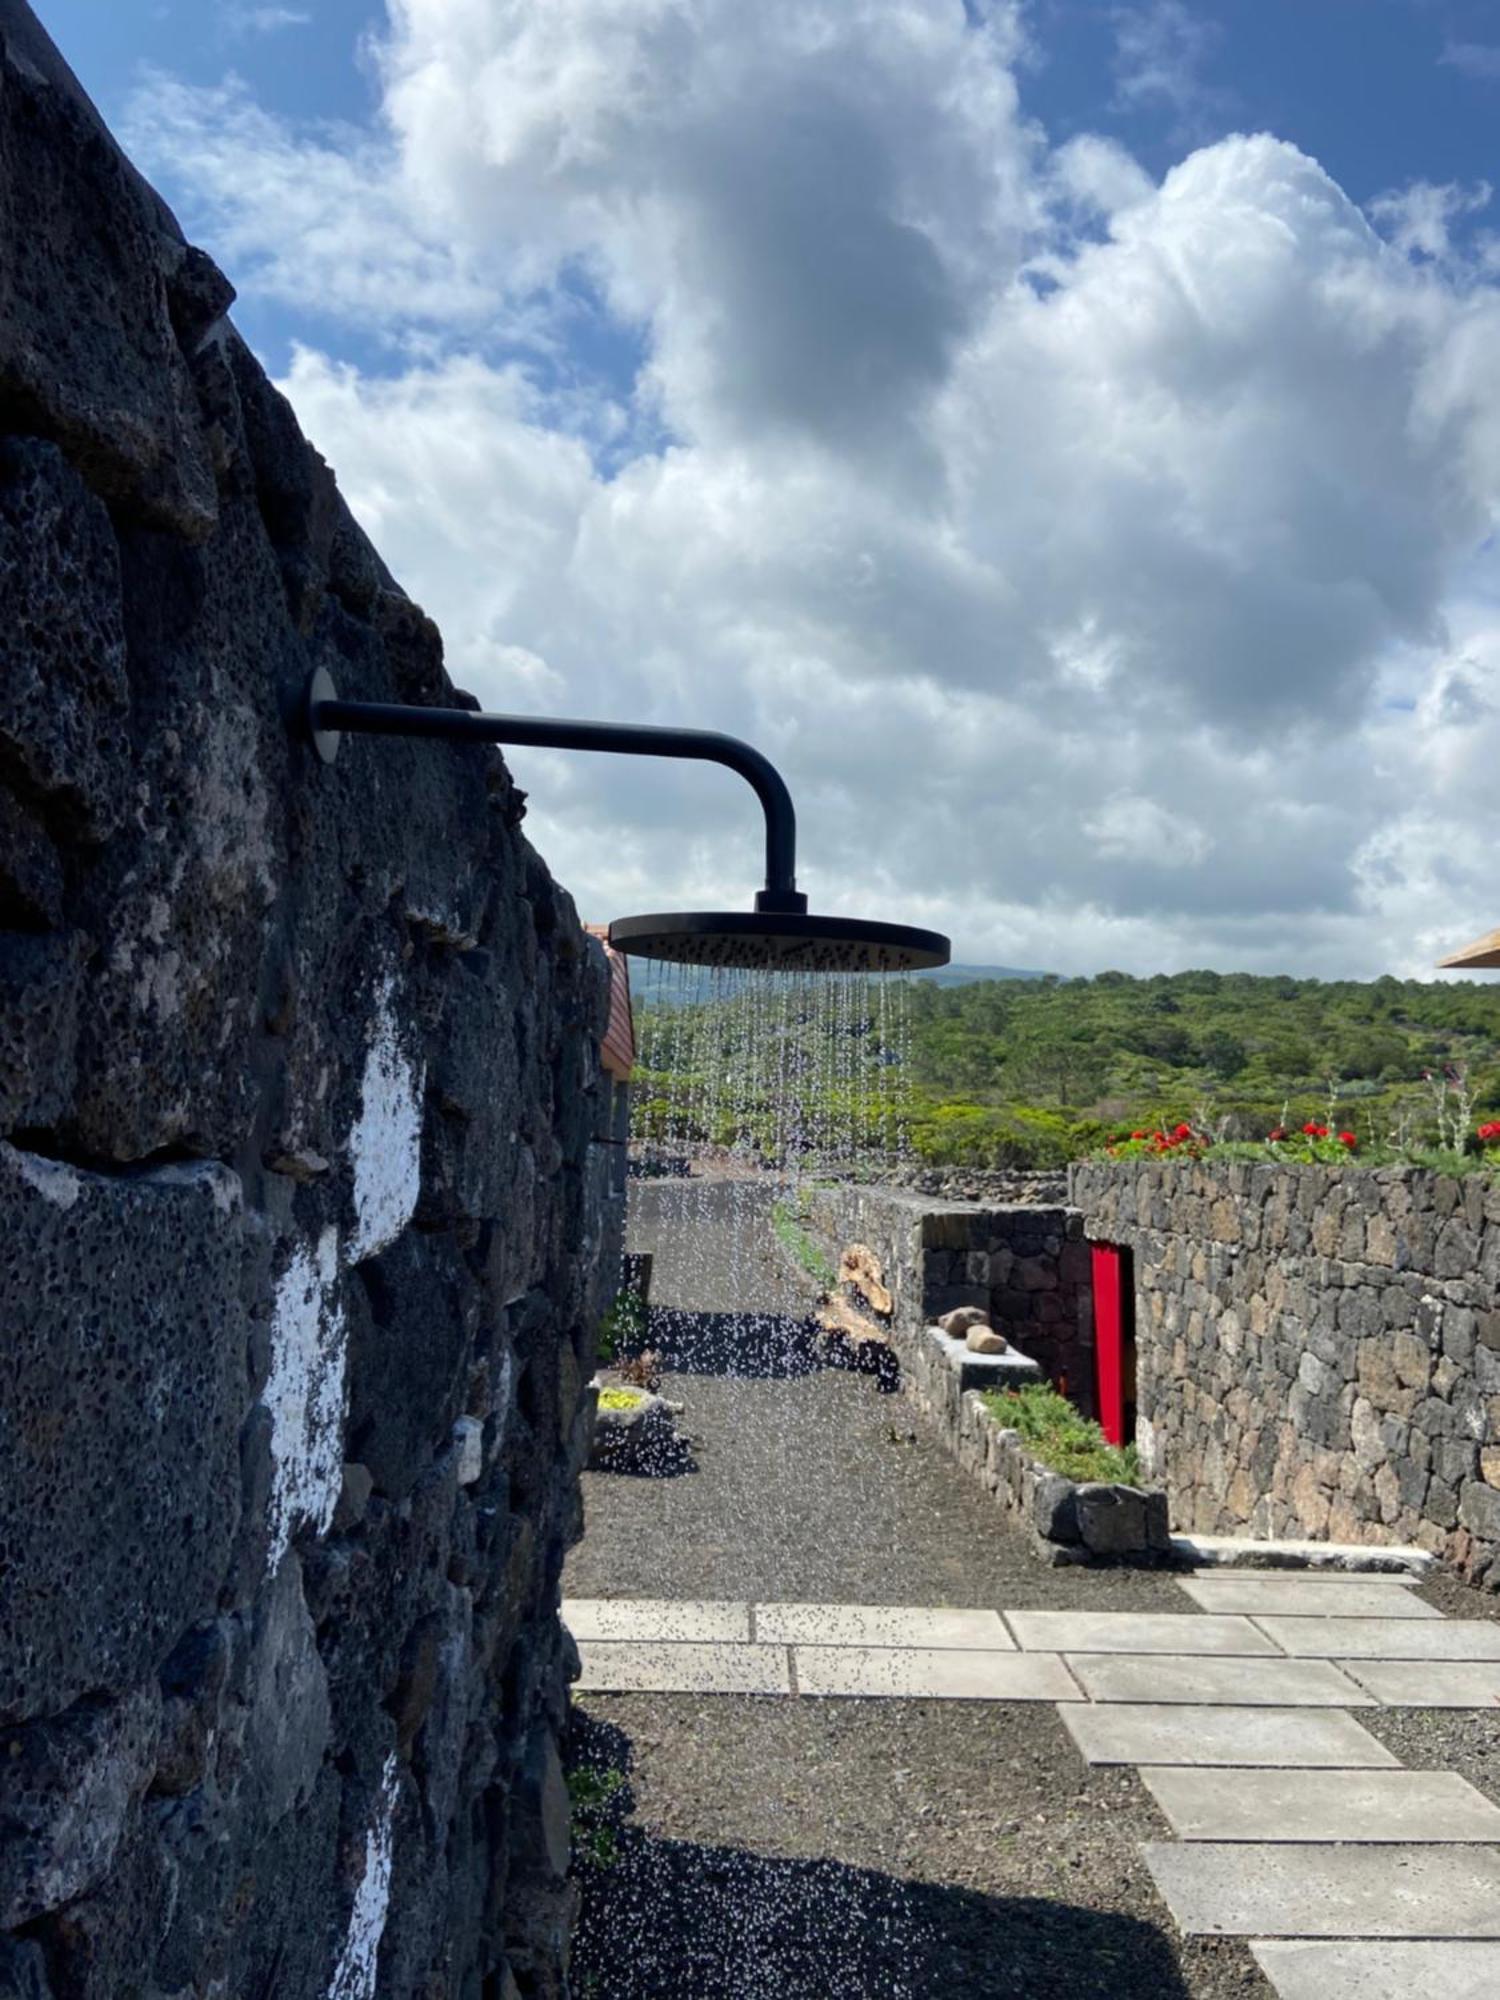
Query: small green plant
[802,1247]
[622,1330]
[1061,1436]
[591,1797]
[621,1399]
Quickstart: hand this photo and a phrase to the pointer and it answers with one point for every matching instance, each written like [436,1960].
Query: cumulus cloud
[1099,557]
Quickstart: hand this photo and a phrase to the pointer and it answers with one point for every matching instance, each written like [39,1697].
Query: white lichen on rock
[354,1975]
[305,1393]
[52,1180]
[386,1143]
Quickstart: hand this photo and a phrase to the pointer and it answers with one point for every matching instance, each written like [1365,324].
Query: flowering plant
[1489,1135]
[1182,1140]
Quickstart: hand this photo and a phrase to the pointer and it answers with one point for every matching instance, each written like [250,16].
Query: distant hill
[967,975]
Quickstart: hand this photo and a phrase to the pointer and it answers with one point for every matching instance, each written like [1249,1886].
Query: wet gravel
[876,1850]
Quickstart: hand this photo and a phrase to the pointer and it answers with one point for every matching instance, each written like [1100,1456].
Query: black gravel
[876,1850]
[774,1849]
[810,1484]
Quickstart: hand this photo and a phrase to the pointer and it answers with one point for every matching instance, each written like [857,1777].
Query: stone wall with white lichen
[1318,1349]
[303,1223]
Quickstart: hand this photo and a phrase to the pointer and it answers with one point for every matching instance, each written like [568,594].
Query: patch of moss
[620,1399]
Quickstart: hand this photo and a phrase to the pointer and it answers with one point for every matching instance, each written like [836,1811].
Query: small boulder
[982,1339]
[956,1324]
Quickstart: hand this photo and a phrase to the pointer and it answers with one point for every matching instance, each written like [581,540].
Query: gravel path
[874,1850]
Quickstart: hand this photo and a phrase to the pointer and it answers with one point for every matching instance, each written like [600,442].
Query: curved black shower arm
[328,716]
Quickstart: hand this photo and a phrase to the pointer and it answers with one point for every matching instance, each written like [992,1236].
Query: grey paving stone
[1240,1683]
[1332,1596]
[1137,1632]
[1323,1805]
[926,1674]
[654,1618]
[1430,1683]
[1435,1969]
[1248,1738]
[1242,1889]
[1386,1638]
[642,1666]
[880,1625]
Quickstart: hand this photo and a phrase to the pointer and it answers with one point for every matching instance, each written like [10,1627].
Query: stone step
[1245,1738]
[1342,1638]
[1429,1683]
[1323,1805]
[880,1625]
[1246,1889]
[645,1666]
[1241,1683]
[1179,1632]
[1306,1969]
[1330,1596]
[655,1618]
[1240,1552]
[923,1674]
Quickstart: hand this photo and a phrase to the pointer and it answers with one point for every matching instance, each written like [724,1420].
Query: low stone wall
[303,1219]
[1318,1349]
[1072,1521]
[1027,1267]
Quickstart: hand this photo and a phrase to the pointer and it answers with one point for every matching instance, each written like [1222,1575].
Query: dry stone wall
[1026,1265]
[1318,1348]
[303,1223]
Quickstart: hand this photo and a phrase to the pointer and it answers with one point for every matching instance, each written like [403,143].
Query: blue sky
[1065,433]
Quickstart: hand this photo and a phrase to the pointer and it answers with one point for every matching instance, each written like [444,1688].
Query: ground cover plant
[1060,1436]
[804,1248]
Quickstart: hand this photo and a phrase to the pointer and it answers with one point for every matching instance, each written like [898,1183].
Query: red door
[1109,1339]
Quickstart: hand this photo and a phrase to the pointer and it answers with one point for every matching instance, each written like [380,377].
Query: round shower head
[774,941]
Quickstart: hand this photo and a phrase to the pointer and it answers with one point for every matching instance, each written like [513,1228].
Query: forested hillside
[1032,1072]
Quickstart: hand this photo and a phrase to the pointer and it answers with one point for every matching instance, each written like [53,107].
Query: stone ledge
[1235,1552]
[984,1371]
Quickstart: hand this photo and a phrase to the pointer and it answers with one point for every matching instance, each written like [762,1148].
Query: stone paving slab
[927,1674]
[880,1625]
[1342,1638]
[643,1666]
[1245,1738]
[1137,1632]
[1448,1969]
[1162,1678]
[1430,1683]
[655,1618]
[1243,1889]
[1309,1596]
[1323,1805]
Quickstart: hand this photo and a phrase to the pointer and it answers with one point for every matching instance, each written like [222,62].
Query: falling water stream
[753,1088]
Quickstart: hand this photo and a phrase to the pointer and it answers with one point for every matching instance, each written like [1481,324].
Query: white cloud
[1064,535]
[1160,49]
[1419,218]
[266,20]
[1475,58]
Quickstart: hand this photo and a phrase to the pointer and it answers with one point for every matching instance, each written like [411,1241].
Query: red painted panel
[1109,1340]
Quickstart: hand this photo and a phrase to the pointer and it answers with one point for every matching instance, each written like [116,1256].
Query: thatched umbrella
[1483,951]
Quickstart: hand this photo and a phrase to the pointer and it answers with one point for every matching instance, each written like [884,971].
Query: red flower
[1315,1131]
[1279,1133]
[1183,1132]
[1140,1135]
[1348,1139]
[1490,1131]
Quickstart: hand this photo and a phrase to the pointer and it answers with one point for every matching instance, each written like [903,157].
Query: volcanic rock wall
[1318,1348]
[302,1222]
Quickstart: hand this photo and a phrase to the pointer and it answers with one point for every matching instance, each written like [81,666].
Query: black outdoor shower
[778,935]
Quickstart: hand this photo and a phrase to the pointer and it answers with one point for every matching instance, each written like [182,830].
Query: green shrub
[1061,1436]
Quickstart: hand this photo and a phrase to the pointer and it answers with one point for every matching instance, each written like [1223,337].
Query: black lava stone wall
[301,1226]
